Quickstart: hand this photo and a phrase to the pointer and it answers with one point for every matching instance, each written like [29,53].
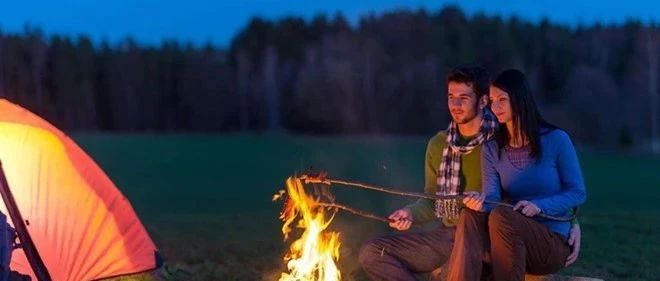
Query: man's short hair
[473,75]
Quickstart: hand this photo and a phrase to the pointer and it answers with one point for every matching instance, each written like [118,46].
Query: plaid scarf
[449,180]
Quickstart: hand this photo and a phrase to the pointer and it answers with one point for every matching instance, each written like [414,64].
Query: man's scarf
[449,180]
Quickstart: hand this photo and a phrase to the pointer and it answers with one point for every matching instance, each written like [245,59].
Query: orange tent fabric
[81,224]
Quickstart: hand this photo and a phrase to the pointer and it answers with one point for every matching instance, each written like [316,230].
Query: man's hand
[474,200]
[401,219]
[574,241]
[528,208]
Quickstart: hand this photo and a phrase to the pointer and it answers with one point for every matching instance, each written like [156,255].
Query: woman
[533,165]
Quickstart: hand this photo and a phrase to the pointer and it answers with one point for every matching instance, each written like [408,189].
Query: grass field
[206,199]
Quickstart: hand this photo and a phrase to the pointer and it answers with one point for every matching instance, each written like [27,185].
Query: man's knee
[469,218]
[370,252]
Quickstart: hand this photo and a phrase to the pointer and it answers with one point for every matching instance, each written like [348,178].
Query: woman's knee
[501,217]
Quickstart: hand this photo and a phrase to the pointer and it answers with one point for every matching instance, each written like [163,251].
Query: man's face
[463,103]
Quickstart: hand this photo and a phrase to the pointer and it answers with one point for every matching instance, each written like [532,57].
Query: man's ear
[483,102]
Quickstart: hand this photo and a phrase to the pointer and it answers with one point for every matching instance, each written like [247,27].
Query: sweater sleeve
[490,178]
[573,191]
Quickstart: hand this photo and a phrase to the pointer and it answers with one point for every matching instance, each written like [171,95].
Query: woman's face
[500,105]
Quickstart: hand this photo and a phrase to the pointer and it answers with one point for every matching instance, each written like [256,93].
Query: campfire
[314,254]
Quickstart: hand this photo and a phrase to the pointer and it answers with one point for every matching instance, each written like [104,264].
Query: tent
[72,221]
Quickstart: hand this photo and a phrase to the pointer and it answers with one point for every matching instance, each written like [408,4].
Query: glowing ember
[313,255]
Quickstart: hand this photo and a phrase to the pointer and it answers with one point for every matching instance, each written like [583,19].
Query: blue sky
[199,21]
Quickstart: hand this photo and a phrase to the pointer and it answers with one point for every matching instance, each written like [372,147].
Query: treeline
[385,75]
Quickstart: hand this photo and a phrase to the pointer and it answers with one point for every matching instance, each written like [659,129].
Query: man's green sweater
[423,210]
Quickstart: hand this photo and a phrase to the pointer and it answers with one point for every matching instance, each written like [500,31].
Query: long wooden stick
[411,194]
[355,211]
[326,180]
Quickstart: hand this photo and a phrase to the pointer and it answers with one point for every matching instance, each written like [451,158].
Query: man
[453,162]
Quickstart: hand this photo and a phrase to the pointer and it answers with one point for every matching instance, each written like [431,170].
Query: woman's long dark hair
[526,117]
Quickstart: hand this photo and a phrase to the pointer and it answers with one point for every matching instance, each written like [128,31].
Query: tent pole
[37,264]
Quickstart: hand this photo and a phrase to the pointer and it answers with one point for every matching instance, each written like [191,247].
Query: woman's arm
[573,192]
[490,179]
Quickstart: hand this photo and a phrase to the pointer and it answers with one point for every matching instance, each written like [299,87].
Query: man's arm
[423,210]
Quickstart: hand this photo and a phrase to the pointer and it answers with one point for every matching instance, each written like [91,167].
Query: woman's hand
[474,200]
[528,208]
[574,241]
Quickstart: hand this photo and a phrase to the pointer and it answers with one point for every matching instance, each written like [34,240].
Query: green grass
[205,199]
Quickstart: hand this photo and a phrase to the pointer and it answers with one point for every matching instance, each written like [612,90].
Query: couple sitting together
[497,148]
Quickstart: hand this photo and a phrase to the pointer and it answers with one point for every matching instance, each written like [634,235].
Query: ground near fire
[206,200]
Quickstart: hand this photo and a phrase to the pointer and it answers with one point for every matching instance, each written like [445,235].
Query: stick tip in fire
[318,177]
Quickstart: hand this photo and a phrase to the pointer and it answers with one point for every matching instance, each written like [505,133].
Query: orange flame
[312,257]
